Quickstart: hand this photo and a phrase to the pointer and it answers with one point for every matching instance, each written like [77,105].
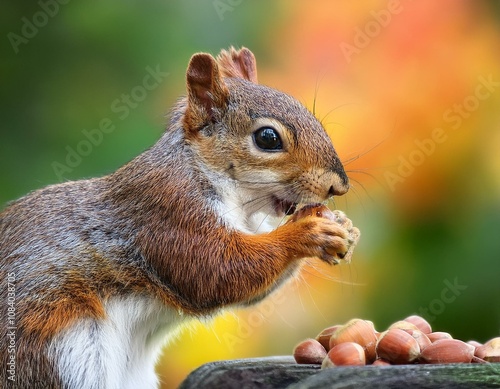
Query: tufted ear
[207,93]
[238,63]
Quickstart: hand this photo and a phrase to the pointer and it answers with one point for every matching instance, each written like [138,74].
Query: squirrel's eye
[267,138]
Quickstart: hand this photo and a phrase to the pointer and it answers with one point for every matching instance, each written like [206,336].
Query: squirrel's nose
[336,190]
[339,184]
[339,180]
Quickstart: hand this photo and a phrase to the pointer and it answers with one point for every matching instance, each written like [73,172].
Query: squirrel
[100,273]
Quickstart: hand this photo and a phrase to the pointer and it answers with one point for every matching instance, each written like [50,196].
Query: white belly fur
[120,351]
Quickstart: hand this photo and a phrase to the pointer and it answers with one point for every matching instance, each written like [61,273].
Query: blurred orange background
[408,90]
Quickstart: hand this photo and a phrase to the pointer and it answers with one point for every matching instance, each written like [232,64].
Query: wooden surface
[283,372]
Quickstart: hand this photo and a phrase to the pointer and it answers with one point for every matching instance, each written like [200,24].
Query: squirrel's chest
[121,351]
[236,207]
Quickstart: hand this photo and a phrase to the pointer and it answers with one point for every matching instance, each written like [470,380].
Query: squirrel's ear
[207,93]
[239,64]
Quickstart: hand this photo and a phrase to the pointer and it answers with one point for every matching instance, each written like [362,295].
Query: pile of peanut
[407,341]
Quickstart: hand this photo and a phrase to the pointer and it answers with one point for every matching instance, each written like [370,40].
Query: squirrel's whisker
[357,156]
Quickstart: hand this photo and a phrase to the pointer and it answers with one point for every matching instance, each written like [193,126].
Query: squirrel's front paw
[353,233]
[336,240]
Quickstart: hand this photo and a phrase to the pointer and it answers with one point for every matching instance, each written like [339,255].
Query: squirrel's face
[269,145]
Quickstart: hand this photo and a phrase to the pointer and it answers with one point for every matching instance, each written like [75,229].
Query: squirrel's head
[274,150]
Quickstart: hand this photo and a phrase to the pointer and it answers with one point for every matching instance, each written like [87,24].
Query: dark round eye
[267,138]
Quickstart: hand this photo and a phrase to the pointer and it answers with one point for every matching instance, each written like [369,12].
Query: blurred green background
[408,91]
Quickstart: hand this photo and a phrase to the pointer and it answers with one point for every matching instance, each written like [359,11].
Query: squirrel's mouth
[282,206]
